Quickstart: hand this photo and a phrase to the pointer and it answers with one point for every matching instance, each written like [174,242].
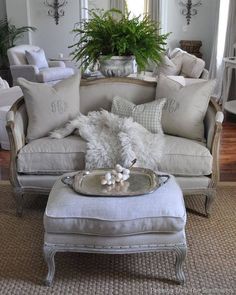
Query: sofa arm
[213,127]
[9,95]
[16,125]
[28,72]
[56,63]
[204,74]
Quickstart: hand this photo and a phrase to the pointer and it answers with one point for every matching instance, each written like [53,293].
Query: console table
[230,64]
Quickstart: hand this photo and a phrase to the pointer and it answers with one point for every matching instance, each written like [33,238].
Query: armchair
[20,67]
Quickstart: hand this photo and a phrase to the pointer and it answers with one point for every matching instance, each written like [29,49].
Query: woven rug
[210,267]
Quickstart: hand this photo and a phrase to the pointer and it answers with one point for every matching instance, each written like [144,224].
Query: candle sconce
[189,8]
[56,10]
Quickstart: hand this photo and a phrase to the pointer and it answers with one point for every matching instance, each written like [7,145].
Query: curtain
[152,8]
[118,4]
[229,50]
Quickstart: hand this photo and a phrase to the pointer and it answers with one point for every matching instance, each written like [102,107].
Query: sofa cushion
[56,156]
[70,213]
[183,156]
[52,156]
[147,114]
[49,107]
[54,74]
[192,66]
[37,58]
[185,108]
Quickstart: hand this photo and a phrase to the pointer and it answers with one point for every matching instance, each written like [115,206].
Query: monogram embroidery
[59,106]
[171,105]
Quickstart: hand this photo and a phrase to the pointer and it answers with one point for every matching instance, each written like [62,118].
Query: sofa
[185,67]
[36,165]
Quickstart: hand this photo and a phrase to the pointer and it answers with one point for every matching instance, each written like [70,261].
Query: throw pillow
[147,114]
[49,107]
[192,66]
[185,108]
[36,58]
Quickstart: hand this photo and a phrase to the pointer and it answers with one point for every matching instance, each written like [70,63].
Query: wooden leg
[180,257]
[208,202]
[49,253]
[18,196]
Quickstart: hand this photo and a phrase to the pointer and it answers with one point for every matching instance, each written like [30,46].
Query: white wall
[201,26]
[103,4]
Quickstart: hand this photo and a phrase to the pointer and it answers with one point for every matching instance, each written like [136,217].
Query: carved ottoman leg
[18,196]
[180,257]
[49,253]
[208,203]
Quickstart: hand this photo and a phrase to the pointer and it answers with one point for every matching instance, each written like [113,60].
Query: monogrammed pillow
[185,108]
[49,107]
[147,114]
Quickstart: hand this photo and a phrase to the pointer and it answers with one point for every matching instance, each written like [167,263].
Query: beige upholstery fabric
[180,156]
[49,107]
[52,156]
[54,74]
[147,114]
[68,212]
[183,156]
[170,66]
[192,66]
[185,109]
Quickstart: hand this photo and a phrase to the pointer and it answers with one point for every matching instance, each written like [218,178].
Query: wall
[53,38]
[201,26]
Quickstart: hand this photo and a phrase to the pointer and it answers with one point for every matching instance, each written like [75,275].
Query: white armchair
[20,67]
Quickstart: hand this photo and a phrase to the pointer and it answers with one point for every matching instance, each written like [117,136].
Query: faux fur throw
[111,140]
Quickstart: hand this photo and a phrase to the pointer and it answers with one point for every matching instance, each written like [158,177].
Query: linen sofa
[35,166]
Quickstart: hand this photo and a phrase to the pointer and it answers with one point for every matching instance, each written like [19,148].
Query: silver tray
[141,181]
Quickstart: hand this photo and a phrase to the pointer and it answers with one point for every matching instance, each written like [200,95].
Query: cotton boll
[125,177]
[126,171]
[119,168]
[103,181]
[117,179]
[108,176]
[114,172]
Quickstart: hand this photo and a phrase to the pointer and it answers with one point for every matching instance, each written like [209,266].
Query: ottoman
[115,225]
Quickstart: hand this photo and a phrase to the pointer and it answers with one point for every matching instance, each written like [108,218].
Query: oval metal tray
[141,181]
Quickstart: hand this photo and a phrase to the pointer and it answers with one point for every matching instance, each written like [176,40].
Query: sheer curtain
[118,4]
[152,7]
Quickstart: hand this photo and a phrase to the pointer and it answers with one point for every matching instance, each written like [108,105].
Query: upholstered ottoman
[115,225]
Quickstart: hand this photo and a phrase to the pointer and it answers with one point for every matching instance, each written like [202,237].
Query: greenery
[9,33]
[112,33]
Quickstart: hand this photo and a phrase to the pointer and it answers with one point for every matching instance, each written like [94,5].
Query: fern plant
[9,33]
[112,33]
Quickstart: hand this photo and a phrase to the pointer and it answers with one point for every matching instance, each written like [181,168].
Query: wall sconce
[56,10]
[189,9]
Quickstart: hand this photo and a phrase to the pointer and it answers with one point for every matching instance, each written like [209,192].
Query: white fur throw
[111,140]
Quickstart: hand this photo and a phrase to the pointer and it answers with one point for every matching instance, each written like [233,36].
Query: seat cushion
[54,73]
[56,156]
[52,156]
[183,156]
[70,213]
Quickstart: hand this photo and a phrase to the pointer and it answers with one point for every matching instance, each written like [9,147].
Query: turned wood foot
[49,253]
[208,203]
[180,258]
[18,196]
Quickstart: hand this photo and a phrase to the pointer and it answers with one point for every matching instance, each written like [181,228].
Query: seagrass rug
[210,267]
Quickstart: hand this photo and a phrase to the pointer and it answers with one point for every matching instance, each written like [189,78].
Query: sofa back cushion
[36,58]
[192,66]
[49,107]
[185,108]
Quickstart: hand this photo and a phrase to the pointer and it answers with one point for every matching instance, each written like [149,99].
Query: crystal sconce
[189,8]
[56,9]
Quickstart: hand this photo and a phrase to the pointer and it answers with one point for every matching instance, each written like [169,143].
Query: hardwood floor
[227,153]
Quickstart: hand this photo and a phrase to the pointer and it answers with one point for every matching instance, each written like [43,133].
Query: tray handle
[68,180]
